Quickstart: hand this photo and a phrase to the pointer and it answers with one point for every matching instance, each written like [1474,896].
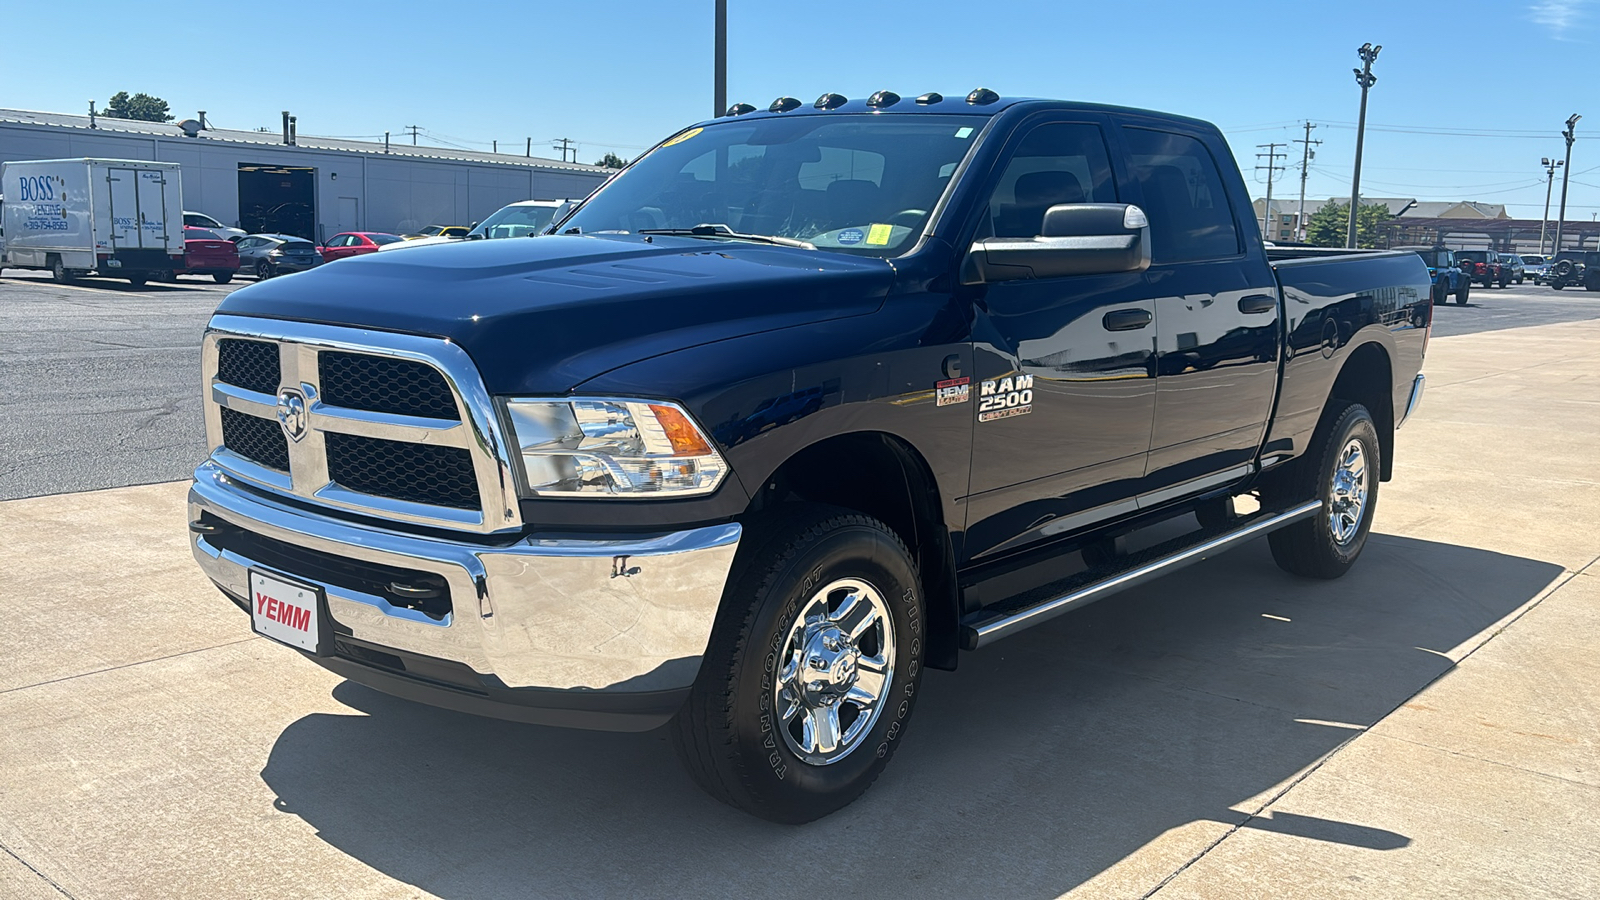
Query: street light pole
[1366,79]
[1550,167]
[1570,134]
[720,65]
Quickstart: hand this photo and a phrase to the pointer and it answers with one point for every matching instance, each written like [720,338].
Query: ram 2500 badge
[804,401]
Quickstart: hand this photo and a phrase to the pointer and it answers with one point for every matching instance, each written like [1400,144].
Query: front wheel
[1463,293]
[812,669]
[1343,474]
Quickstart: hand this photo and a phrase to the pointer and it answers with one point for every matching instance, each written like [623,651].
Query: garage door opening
[278,199]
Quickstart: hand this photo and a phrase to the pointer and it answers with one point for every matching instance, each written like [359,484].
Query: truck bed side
[1348,317]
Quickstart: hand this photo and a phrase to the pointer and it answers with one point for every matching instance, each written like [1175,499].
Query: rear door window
[1190,217]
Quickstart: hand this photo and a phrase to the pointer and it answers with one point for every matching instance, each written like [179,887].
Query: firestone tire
[824,609]
[1343,473]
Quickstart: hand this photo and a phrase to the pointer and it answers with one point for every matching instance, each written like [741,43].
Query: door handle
[1127,319]
[1257,303]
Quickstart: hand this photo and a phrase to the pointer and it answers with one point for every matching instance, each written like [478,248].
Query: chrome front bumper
[580,615]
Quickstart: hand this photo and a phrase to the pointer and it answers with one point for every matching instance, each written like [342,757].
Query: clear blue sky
[619,76]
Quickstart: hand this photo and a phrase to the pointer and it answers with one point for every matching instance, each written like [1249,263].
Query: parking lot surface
[106,378]
[1427,726]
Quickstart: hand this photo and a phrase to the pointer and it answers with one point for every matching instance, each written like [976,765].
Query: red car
[355,243]
[207,253]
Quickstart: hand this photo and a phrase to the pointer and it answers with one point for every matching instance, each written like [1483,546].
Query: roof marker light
[882,99]
[929,99]
[784,104]
[831,101]
[982,97]
[739,109]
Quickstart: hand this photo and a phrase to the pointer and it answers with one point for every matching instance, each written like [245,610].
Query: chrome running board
[989,625]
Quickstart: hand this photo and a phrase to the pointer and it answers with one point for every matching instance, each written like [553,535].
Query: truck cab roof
[981,102]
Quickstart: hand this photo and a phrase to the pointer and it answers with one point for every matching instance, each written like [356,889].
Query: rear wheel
[222,277]
[812,669]
[1343,474]
[1441,293]
[263,270]
[59,272]
[137,279]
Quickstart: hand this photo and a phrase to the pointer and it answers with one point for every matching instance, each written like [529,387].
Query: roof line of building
[272,139]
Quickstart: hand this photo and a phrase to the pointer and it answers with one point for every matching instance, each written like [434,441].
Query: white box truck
[117,217]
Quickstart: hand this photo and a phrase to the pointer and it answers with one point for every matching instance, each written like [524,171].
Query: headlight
[603,447]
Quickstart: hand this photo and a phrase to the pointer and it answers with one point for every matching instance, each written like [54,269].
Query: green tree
[611,161]
[143,107]
[1330,225]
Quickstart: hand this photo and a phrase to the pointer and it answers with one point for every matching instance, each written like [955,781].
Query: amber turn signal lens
[686,439]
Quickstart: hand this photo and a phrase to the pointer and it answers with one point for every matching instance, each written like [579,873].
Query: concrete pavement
[1428,725]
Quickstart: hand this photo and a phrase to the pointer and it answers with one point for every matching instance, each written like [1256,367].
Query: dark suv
[1573,268]
[1483,267]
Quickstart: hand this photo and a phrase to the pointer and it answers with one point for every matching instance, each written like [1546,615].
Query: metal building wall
[380,193]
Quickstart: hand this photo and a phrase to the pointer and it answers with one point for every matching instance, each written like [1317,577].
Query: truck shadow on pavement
[1040,764]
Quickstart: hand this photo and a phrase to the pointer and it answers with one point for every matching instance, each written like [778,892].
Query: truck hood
[542,315]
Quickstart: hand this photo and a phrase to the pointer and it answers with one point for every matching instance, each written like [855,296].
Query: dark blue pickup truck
[802,402]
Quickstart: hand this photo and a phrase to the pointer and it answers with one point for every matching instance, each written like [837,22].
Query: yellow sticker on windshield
[878,235]
[683,137]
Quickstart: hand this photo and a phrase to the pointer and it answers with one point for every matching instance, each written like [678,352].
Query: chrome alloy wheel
[835,671]
[1347,501]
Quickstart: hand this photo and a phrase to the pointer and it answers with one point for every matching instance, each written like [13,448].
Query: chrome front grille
[394,426]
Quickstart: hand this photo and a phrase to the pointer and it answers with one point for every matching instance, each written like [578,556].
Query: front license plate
[286,611]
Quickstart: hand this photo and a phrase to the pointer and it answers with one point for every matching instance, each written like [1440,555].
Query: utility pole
[1570,134]
[563,145]
[719,76]
[1550,166]
[413,129]
[529,151]
[1305,169]
[494,146]
[1366,79]
[1271,166]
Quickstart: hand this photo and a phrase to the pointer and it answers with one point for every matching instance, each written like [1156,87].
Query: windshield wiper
[720,230]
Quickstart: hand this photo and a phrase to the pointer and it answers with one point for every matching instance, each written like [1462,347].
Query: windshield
[861,184]
[515,221]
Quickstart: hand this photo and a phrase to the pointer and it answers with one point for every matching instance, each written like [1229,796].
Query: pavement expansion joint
[130,665]
[42,876]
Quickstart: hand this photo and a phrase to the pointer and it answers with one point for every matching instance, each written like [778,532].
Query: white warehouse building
[314,187]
